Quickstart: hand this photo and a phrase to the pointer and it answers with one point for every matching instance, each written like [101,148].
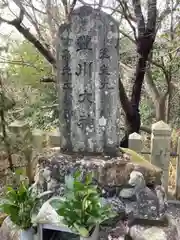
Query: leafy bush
[19,204]
[81,208]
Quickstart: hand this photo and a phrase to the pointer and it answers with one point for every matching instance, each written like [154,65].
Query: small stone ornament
[148,206]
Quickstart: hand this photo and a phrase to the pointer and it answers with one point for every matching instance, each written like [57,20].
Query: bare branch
[126,105]
[126,35]
[17,23]
[126,13]
[165,13]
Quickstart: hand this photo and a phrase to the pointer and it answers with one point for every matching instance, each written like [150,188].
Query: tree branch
[126,13]
[17,23]
[152,15]
[165,13]
[126,35]
[126,105]
[139,17]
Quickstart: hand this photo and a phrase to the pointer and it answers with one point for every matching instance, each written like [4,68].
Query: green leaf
[88,178]
[81,208]
[82,230]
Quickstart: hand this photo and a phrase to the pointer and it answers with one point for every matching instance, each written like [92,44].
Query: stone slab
[88,77]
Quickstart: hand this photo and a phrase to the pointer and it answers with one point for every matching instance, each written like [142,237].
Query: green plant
[81,207]
[19,203]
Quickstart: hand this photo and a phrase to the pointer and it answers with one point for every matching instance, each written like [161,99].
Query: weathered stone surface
[117,205]
[163,204]
[108,173]
[155,233]
[9,231]
[148,205]
[88,73]
[118,233]
[127,193]
[161,145]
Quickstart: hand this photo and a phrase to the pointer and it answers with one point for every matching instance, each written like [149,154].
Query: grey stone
[148,206]
[161,195]
[117,205]
[88,73]
[119,232]
[9,231]
[170,232]
[127,193]
[111,175]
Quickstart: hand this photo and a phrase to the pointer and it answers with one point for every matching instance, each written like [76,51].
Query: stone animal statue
[148,206]
[147,201]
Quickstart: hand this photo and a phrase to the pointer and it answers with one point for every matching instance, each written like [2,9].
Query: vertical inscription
[85,96]
[84,121]
[66,71]
[85,69]
[104,73]
[104,53]
[66,41]
[83,43]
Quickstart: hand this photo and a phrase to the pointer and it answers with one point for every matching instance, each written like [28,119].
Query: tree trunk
[133,121]
[160,108]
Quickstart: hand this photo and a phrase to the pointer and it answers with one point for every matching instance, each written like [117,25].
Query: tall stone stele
[88,74]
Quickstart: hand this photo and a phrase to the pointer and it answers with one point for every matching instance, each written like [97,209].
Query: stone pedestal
[108,173]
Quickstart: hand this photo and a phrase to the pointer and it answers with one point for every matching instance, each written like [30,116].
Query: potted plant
[19,203]
[81,207]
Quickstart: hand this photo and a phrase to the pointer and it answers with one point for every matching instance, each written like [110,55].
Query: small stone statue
[147,201]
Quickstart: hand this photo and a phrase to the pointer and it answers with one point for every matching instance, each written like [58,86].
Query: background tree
[35,102]
[142,17]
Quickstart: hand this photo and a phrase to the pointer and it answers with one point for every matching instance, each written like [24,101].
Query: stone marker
[87,77]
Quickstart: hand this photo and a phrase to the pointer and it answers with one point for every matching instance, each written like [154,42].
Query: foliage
[146,110]
[18,204]
[36,102]
[81,209]
[6,104]
[27,65]
[20,201]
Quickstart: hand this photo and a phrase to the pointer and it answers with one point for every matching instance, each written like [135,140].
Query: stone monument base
[112,176]
[109,173]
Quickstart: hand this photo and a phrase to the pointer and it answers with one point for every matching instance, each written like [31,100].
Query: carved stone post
[54,138]
[135,142]
[37,138]
[178,171]
[160,149]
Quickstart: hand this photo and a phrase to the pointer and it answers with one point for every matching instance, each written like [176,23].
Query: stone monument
[88,73]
